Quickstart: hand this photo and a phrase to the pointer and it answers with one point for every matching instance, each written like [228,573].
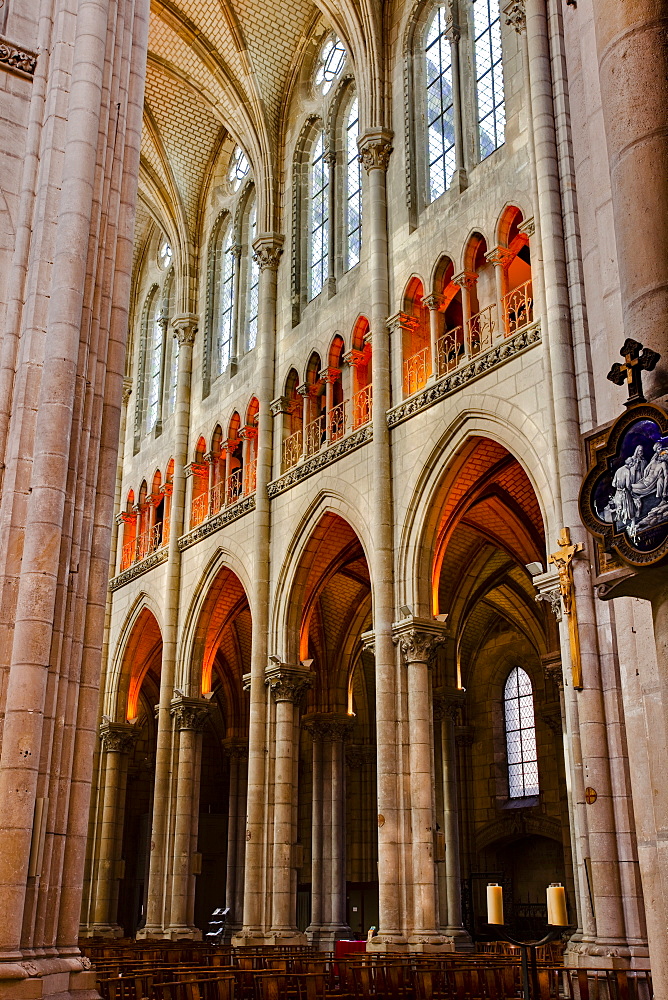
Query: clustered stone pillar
[117,740]
[190,715]
[287,685]
[236,752]
[328,830]
[418,640]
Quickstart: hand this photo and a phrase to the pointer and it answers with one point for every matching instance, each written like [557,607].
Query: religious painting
[624,497]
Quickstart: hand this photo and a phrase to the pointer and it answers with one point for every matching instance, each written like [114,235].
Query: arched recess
[328,611]
[214,661]
[483,528]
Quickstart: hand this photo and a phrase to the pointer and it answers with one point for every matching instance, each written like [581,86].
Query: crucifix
[638,359]
[562,559]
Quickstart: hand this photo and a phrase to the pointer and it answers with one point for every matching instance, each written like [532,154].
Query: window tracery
[239,168]
[330,63]
[520,735]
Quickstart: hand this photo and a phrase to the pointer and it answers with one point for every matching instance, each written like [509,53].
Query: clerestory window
[155,354]
[253,282]
[520,735]
[224,326]
[353,188]
[318,217]
[440,110]
[489,75]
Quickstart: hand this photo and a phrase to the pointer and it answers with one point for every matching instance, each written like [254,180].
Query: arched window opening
[441,158]
[359,360]
[513,260]
[199,473]
[224,321]
[171,348]
[479,294]
[449,317]
[129,519]
[293,409]
[416,350]
[165,254]
[520,735]
[216,458]
[315,431]
[318,263]
[489,75]
[169,489]
[335,408]
[155,349]
[143,522]
[353,188]
[157,512]
[253,282]
[249,435]
[330,63]
[239,168]
[234,461]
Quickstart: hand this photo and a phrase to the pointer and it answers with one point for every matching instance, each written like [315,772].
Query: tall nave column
[418,640]
[287,685]
[268,249]
[185,327]
[117,740]
[236,752]
[375,150]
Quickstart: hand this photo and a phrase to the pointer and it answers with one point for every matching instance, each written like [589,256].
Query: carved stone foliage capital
[375,150]
[516,15]
[190,713]
[418,639]
[360,756]
[328,727]
[235,748]
[267,251]
[288,683]
[447,707]
[280,405]
[368,640]
[553,598]
[117,737]
[553,670]
[185,328]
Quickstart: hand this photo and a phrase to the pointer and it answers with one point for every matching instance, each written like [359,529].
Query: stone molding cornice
[368,640]
[144,566]
[17,59]
[418,639]
[267,251]
[318,461]
[212,524]
[464,374]
[185,328]
[328,727]
[118,737]
[516,15]
[375,148]
[288,683]
[189,713]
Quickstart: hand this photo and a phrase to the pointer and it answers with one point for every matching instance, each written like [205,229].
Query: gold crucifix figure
[563,559]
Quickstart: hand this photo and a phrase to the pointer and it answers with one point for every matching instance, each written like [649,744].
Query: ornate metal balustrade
[143,545]
[417,370]
[327,429]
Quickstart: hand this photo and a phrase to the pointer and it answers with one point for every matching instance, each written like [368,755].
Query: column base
[323,936]
[151,933]
[183,933]
[253,939]
[383,944]
[460,937]
[428,941]
[605,954]
[102,930]
[43,978]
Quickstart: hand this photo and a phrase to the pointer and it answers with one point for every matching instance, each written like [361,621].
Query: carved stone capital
[402,321]
[448,704]
[465,279]
[553,598]
[189,713]
[432,302]
[516,15]
[360,755]
[368,640]
[330,375]
[280,405]
[418,639]
[118,737]
[528,227]
[235,748]
[375,148]
[464,736]
[185,328]
[355,358]
[553,670]
[500,256]
[309,389]
[267,251]
[288,683]
[329,727]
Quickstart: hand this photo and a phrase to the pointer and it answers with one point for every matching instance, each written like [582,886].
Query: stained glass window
[158,324]
[165,254]
[253,282]
[489,75]
[330,63]
[225,317]
[174,375]
[353,188]
[520,735]
[239,167]
[319,218]
[440,107]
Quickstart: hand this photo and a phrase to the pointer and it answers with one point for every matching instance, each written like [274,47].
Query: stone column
[633,76]
[501,258]
[453,32]
[398,325]
[268,249]
[287,685]
[466,281]
[418,640]
[236,752]
[433,304]
[117,740]
[190,715]
[313,931]
[185,327]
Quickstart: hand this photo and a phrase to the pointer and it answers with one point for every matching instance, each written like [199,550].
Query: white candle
[556,905]
[494,904]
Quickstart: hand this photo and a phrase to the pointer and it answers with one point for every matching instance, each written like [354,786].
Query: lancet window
[520,735]
[253,282]
[441,159]
[353,188]
[318,217]
[489,75]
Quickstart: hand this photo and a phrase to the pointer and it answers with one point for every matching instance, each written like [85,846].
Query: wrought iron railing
[417,370]
[517,307]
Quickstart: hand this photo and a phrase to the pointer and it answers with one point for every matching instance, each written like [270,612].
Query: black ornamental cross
[638,359]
